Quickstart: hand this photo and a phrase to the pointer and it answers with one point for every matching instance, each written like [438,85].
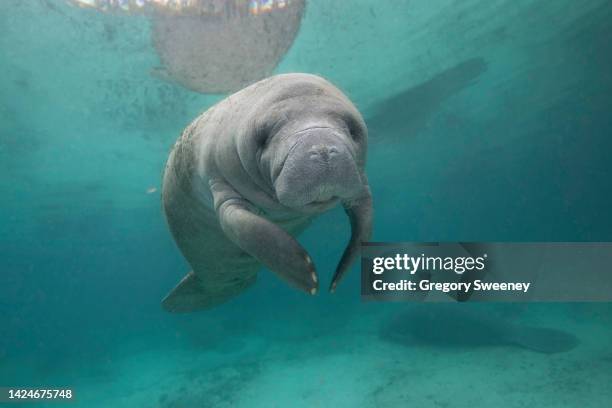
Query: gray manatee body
[249,174]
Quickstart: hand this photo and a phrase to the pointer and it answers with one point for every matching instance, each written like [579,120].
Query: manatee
[409,111]
[250,173]
[463,325]
[235,44]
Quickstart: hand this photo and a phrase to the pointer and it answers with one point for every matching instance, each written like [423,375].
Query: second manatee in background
[470,325]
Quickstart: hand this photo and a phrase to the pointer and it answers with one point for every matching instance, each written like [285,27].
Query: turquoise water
[489,120]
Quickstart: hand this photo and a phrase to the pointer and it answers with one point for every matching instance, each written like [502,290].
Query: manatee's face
[312,168]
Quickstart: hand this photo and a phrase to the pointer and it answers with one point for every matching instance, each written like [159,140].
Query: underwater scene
[153,257]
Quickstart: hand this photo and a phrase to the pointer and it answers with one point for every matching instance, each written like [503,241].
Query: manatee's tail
[191,294]
[543,340]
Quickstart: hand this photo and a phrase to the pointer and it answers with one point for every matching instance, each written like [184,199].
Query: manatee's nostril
[323,152]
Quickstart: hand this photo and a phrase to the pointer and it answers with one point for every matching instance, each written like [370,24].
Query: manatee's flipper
[360,216]
[191,295]
[263,240]
[543,340]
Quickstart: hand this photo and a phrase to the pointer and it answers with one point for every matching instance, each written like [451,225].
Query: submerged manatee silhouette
[463,325]
[407,112]
[224,51]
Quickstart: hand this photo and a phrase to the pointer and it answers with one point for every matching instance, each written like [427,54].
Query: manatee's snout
[319,170]
[323,152]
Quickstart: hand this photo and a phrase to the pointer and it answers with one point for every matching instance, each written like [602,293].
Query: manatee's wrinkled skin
[226,51]
[250,173]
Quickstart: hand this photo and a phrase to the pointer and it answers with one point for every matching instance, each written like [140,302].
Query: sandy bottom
[348,365]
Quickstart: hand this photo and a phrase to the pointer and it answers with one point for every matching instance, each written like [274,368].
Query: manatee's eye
[354,128]
[352,125]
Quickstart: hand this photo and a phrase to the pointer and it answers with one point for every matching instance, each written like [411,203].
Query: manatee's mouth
[312,204]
